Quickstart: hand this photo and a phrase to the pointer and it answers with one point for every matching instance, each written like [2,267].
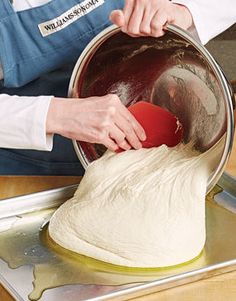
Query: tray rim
[19,204]
[10,289]
[151,287]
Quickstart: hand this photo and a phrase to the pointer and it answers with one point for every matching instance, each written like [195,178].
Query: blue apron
[38,49]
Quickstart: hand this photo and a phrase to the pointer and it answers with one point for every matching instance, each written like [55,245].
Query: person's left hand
[149,17]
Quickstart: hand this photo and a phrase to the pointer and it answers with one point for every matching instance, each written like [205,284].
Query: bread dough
[139,208]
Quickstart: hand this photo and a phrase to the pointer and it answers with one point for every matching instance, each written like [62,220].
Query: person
[206,19]
[40,42]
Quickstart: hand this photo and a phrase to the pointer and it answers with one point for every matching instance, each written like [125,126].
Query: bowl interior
[168,71]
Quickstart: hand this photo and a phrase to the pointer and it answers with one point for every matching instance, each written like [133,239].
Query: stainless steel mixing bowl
[174,71]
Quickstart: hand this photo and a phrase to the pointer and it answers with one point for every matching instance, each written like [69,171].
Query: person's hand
[103,120]
[149,17]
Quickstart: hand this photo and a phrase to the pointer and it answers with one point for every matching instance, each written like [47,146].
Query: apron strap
[6,9]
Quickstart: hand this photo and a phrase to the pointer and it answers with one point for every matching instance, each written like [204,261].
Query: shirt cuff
[40,139]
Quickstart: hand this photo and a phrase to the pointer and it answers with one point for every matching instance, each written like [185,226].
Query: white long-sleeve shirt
[23,119]
[211,17]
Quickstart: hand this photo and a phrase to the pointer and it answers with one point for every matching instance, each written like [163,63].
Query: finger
[132,35]
[126,127]
[145,26]
[128,10]
[138,129]
[131,137]
[117,17]
[158,23]
[135,19]
[119,137]
[110,144]
[126,122]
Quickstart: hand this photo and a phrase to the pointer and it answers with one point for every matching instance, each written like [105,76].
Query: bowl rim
[225,86]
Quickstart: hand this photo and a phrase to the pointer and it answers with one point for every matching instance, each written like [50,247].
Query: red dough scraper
[161,126]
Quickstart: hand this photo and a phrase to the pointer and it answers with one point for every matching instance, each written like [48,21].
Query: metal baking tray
[22,219]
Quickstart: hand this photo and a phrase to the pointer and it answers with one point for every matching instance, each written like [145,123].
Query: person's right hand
[149,17]
[103,120]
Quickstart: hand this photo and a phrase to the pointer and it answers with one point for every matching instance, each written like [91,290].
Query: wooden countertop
[216,288]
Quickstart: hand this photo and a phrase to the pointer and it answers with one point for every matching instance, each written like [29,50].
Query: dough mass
[139,208]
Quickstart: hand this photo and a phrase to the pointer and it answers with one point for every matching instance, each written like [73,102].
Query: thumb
[117,17]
